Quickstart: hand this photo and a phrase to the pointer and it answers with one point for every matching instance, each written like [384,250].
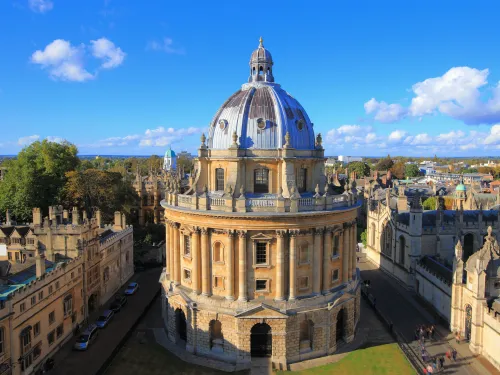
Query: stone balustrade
[267,203]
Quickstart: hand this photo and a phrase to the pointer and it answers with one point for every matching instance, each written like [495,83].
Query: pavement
[406,312]
[90,362]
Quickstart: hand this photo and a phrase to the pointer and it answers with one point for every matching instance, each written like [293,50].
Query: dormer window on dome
[261,64]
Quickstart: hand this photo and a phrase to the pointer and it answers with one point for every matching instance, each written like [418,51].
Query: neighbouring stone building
[475,312]
[53,272]
[151,191]
[261,251]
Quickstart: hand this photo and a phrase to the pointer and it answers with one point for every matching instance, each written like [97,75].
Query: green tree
[411,170]
[364,237]
[94,188]
[361,168]
[429,203]
[36,177]
[184,163]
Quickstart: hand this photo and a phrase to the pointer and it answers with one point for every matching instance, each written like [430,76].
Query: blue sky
[130,77]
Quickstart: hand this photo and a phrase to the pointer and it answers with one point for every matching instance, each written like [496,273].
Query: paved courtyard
[405,312]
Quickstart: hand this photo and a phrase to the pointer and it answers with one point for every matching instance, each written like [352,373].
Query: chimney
[75,217]
[84,213]
[98,218]
[65,216]
[40,264]
[7,218]
[37,216]
[51,213]
[118,221]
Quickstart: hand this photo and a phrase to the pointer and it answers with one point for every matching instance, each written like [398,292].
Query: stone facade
[475,298]
[260,251]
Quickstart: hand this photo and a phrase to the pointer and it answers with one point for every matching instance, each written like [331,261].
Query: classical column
[354,254]
[242,285]
[280,271]
[172,249]
[177,254]
[205,263]
[196,271]
[327,251]
[317,256]
[345,254]
[230,265]
[293,264]
[167,247]
[349,253]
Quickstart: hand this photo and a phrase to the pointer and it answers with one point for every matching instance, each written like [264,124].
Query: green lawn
[378,360]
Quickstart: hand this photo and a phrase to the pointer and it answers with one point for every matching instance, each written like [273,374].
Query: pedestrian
[454,354]
[432,332]
[424,371]
[457,337]
[429,369]
[448,354]
[441,361]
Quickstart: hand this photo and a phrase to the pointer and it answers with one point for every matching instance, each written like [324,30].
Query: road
[403,310]
[68,361]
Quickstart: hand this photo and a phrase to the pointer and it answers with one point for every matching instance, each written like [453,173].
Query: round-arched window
[261,123]
[300,124]
[222,124]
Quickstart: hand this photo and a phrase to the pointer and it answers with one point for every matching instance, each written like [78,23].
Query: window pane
[261,253]
[219,179]
[261,181]
[261,284]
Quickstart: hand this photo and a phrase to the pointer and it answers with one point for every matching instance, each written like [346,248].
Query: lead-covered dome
[261,113]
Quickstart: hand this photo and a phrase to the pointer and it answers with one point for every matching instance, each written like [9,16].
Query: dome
[460,187]
[169,153]
[261,113]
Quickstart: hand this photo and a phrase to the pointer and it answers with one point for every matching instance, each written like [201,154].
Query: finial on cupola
[261,42]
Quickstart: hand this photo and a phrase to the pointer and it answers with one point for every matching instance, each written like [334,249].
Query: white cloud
[40,6]
[166,45]
[450,138]
[419,139]
[66,62]
[24,141]
[63,61]
[384,112]
[494,137]
[397,136]
[457,94]
[105,49]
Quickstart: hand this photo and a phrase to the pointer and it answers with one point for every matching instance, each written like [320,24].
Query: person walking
[454,354]
[448,354]
[457,337]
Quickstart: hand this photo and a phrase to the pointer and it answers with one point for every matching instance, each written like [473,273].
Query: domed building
[261,251]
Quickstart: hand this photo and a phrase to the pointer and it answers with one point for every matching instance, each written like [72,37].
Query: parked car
[86,338]
[131,289]
[118,303]
[104,319]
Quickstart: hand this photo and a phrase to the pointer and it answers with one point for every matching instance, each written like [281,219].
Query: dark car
[118,303]
[104,319]
[86,338]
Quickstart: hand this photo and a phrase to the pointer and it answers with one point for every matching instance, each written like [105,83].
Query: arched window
[335,244]
[268,70]
[301,180]
[217,252]
[402,245]
[105,274]
[261,181]
[306,335]
[253,70]
[216,337]
[387,241]
[261,70]
[468,246]
[304,252]
[219,179]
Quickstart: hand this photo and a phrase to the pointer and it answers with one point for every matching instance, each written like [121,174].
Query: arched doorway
[180,324]
[261,340]
[339,333]
[468,246]
[468,321]
[93,304]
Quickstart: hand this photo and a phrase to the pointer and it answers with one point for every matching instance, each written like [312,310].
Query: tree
[364,237]
[185,164]
[384,164]
[95,189]
[398,170]
[429,203]
[362,169]
[412,170]
[36,178]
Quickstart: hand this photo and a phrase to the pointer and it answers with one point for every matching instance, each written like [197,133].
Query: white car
[131,289]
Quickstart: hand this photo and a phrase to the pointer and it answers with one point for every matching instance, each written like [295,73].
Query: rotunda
[261,248]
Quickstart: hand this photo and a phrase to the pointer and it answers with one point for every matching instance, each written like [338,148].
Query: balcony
[221,202]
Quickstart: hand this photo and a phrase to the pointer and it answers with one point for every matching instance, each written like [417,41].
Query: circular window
[261,123]
[300,124]
[222,124]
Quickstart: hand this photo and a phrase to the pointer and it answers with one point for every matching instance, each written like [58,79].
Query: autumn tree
[36,178]
[96,189]
[398,170]
[384,164]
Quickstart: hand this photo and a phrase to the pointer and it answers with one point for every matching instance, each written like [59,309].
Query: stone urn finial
[235,139]
[203,139]
[319,141]
[287,139]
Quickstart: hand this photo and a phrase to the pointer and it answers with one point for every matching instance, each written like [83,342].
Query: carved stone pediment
[262,311]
